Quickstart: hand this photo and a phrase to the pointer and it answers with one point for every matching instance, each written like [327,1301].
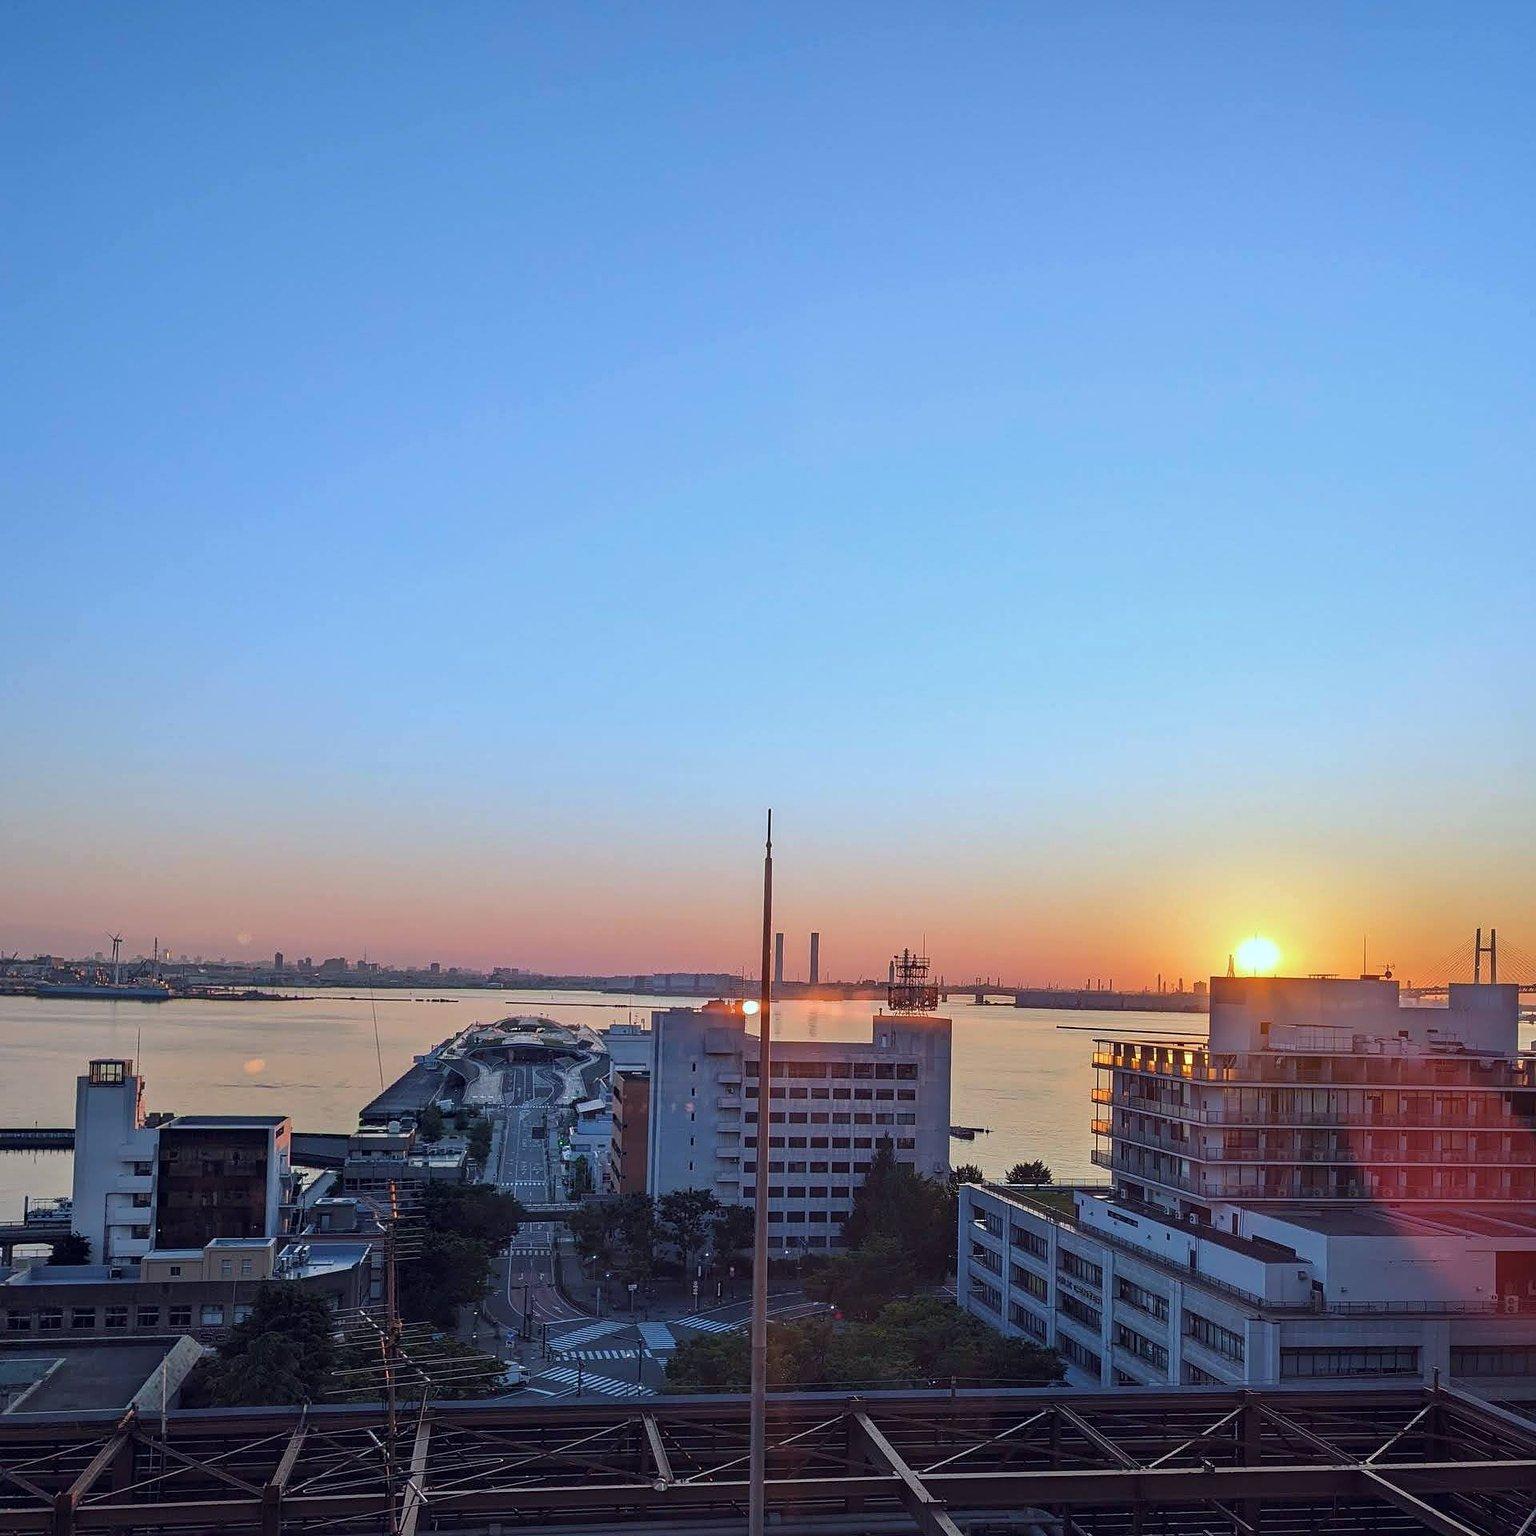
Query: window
[1080,1355]
[1026,1322]
[988,1295]
[139,1233]
[212,1315]
[1029,1241]
[242,1312]
[82,1317]
[1143,1300]
[50,1319]
[18,1322]
[226,1268]
[1348,1362]
[1488,1360]
[179,1317]
[143,1170]
[1215,1337]
[1079,1268]
[1079,1311]
[1027,1280]
[1195,1377]
[148,1317]
[141,1202]
[1143,1348]
[116,1317]
[906,1069]
[175,1271]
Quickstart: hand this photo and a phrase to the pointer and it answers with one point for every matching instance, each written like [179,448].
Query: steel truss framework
[1194,1462]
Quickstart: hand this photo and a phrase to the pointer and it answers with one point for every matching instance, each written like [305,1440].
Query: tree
[579,1182]
[592,1228]
[912,1342]
[281,1353]
[1029,1173]
[478,1138]
[966,1173]
[916,1215]
[72,1248]
[429,1123]
[863,1280]
[685,1216]
[734,1230]
[466,1225]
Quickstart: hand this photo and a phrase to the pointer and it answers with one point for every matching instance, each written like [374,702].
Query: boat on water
[144,986]
[123,991]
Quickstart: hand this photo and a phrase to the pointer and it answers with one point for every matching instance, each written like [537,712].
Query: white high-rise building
[830,1104]
[1332,1187]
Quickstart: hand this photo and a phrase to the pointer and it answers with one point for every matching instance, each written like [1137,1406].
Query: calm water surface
[315,1060]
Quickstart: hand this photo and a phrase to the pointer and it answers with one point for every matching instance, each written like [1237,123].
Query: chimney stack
[815,958]
[778,959]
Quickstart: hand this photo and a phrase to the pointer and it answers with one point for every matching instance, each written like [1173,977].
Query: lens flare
[1258,956]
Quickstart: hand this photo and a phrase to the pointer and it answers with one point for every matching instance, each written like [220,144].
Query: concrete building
[376,1158]
[1333,1187]
[142,1180]
[171,1290]
[631,1092]
[830,1104]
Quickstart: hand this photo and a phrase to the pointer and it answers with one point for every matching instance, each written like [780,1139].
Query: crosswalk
[531,1250]
[586,1335]
[657,1338]
[597,1354]
[709,1324]
[590,1381]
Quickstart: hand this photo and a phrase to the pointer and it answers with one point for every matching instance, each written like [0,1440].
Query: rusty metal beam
[658,1450]
[65,1504]
[1426,1514]
[1100,1442]
[924,1507]
[415,1487]
[272,1492]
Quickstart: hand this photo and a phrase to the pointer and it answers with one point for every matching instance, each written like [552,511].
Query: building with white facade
[146,1181]
[830,1104]
[1333,1187]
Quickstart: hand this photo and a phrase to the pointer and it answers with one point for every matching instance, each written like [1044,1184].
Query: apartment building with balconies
[1332,1187]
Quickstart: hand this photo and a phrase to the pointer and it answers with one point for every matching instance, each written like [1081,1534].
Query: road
[524,1165]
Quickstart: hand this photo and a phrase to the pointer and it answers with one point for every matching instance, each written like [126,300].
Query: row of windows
[778,1117]
[988,1295]
[906,1095]
[1030,1242]
[1088,1316]
[1027,1280]
[1143,1348]
[817,1143]
[825,1069]
[778,1165]
[1079,1268]
[1486,1360]
[1080,1355]
[1222,1340]
[84,1319]
[1195,1377]
[1026,1322]
[1142,1299]
[1402,1361]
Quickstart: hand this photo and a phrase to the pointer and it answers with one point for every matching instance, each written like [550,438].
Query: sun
[1258,955]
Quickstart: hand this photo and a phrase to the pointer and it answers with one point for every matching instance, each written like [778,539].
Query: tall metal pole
[758,1462]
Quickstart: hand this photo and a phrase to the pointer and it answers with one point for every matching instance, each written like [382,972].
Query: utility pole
[757,1474]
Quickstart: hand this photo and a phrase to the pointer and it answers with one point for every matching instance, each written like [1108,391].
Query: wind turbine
[117,948]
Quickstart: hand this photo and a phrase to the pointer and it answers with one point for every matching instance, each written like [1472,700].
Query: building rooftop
[86,1375]
[1385,1220]
[303,1261]
[223,1122]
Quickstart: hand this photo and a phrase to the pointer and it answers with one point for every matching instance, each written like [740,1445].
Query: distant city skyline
[462,463]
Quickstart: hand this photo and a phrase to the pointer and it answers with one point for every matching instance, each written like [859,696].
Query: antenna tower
[909,989]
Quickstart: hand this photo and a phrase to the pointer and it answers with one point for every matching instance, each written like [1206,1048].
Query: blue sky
[462,462]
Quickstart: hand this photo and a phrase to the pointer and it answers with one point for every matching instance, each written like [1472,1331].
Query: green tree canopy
[733,1230]
[915,1215]
[72,1248]
[686,1217]
[281,1353]
[966,1173]
[1034,1172]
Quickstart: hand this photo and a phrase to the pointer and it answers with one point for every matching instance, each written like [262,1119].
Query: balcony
[1099,1127]
[1101,1096]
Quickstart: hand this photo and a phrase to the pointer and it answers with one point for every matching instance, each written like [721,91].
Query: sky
[461,464]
